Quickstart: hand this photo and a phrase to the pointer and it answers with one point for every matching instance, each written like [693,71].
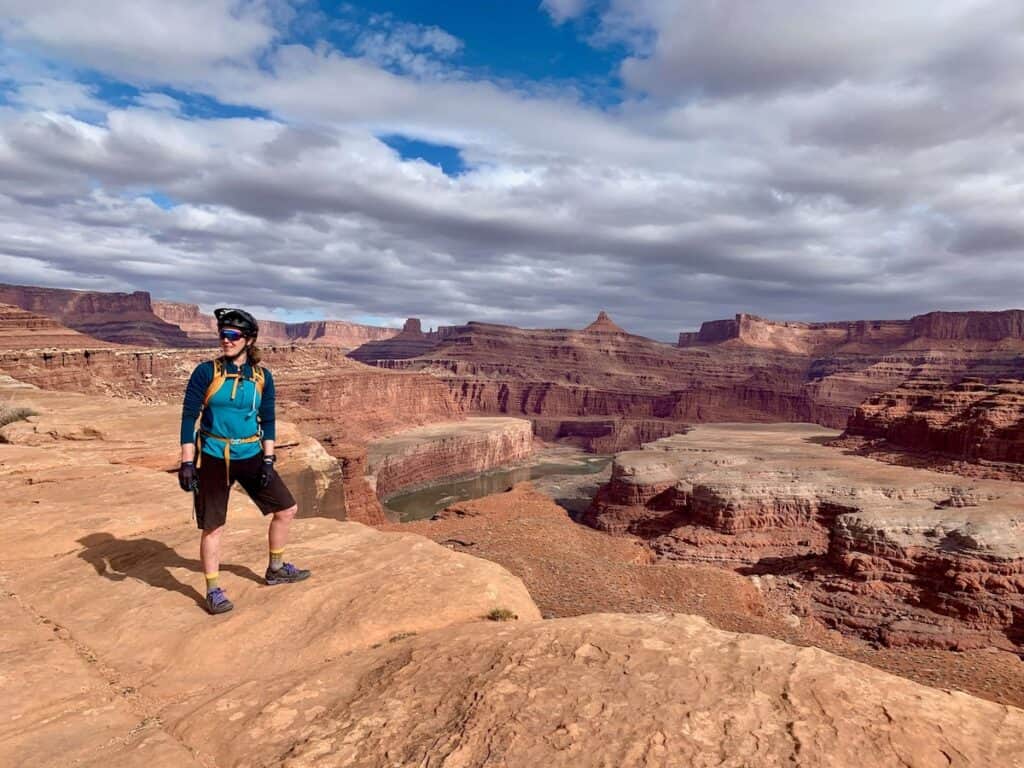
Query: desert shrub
[9,413]
[501,614]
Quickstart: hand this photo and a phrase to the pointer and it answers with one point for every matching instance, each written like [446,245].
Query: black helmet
[236,318]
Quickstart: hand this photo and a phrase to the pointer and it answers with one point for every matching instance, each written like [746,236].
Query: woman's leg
[277,536]
[209,549]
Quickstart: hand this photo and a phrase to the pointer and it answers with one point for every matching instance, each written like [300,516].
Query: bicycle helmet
[236,318]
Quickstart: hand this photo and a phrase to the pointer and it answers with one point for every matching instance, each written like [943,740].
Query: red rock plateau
[336,333]
[972,428]
[122,318]
[384,657]
[901,556]
[745,369]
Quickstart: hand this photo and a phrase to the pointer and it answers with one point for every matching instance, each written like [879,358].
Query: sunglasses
[230,334]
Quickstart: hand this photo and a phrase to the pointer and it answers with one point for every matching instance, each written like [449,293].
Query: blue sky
[669,161]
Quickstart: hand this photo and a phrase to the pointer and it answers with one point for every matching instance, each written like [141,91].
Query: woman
[227,434]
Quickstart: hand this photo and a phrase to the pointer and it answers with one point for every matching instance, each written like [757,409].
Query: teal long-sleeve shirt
[242,415]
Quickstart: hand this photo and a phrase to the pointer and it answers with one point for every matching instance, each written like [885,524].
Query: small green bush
[501,614]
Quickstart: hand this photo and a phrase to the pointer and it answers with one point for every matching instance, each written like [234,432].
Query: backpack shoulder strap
[219,377]
[258,378]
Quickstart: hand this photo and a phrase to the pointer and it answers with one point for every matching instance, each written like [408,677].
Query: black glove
[187,477]
[268,473]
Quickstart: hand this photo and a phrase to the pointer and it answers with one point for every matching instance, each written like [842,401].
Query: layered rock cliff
[419,456]
[745,369]
[20,329]
[971,428]
[122,318]
[897,555]
[337,333]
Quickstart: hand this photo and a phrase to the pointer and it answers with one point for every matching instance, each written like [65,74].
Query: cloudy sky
[524,162]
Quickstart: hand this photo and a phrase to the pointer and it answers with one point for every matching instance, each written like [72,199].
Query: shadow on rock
[149,561]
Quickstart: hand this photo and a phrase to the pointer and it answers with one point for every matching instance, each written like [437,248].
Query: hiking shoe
[286,574]
[217,601]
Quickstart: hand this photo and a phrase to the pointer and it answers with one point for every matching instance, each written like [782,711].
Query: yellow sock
[211,581]
[276,559]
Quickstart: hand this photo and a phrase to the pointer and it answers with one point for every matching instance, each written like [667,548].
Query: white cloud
[563,10]
[146,39]
[871,172]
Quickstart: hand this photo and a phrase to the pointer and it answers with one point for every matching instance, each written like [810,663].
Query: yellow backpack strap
[219,377]
[258,378]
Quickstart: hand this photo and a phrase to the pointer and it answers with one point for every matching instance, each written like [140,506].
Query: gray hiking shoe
[286,574]
[217,601]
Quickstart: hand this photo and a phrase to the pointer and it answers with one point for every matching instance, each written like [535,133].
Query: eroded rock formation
[972,427]
[20,329]
[897,555]
[745,369]
[419,456]
[122,318]
[337,333]
[410,342]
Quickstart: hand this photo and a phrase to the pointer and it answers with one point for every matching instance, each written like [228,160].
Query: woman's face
[232,342]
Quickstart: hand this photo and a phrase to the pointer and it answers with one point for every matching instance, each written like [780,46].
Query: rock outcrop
[897,555]
[972,427]
[415,457]
[122,318]
[20,329]
[335,333]
[410,342]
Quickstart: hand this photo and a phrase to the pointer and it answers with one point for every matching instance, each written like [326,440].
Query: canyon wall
[899,556]
[977,427]
[122,318]
[745,369]
[339,333]
[416,457]
[20,329]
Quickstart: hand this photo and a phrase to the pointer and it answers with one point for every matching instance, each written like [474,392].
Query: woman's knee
[286,514]
[213,533]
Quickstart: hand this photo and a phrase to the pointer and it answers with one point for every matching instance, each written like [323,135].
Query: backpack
[220,376]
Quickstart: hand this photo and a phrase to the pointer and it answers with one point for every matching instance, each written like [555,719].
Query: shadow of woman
[149,561]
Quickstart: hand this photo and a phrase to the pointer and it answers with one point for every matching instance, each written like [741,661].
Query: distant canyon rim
[400,408]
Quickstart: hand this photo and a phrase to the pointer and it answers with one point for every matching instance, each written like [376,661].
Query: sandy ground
[571,569]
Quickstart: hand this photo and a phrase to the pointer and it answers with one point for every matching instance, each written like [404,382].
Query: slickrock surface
[337,333]
[104,634]
[20,329]
[122,318]
[608,690]
[902,556]
[745,369]
[422,455]
[971,428]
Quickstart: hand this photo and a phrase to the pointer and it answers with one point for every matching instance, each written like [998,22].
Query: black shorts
[212,495]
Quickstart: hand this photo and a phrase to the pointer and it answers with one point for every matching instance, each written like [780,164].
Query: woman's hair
[255,354]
